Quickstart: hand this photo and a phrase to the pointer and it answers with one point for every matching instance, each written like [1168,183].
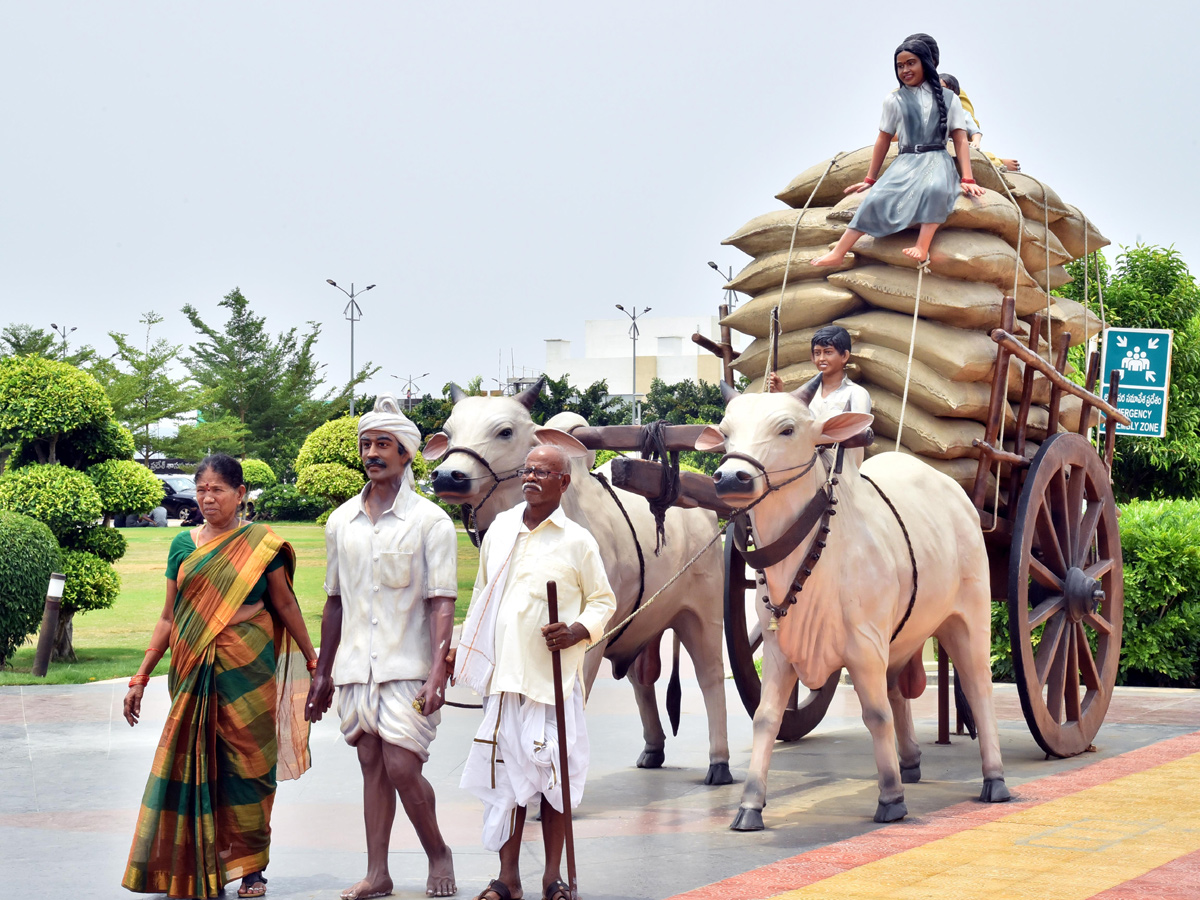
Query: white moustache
[530,486]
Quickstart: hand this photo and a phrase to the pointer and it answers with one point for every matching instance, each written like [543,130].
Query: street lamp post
[633,333]
[352,312]
[409,383]
[62,331]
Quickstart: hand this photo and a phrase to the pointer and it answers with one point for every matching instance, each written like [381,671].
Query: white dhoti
[514,758]
[386,711]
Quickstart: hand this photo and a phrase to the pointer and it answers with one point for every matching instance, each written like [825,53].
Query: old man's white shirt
[385,572]
[557,550]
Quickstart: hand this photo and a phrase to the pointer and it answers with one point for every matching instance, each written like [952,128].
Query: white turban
[386,416]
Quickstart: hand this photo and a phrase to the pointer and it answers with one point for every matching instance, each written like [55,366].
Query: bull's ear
[843,425]
[711,439]
[558,438]
[436,446]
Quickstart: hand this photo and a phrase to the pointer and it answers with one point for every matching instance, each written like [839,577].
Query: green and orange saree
[236,723]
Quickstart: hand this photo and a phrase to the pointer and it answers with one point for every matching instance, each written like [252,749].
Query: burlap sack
[766,272]
[1058,276]
[1036,198]
[1069,315]
[848,170]
[958,253]
[1069,411]
[1034,248]
[960,470]
[964,304]
[773,231]
[985,175]
[803,305]
[798,374]
[794,347]
[992,212]
[1077,234]
[928,389]
[954,353]
[928,435]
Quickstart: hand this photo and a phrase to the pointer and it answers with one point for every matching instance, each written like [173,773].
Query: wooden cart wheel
[743,637]
[1065,595]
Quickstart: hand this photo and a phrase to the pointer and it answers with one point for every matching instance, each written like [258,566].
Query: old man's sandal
[557,890]
[497,887]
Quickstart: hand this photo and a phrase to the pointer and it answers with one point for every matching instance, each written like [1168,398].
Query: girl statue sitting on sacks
[919,186]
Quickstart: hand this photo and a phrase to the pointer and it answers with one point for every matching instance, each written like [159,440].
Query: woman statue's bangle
[311,664]
[139,681]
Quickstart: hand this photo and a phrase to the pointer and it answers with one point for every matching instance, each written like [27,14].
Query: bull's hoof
[910,774]
[891,812]
[994,791]
[651,759]
[718,773]
[747,820]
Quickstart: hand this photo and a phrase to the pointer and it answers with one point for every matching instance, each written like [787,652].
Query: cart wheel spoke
[1047,651]
[1045,610]
[1044,576]
[755,636]
[1098,623]
[1071,677]
[1087,663]
[1099,569]
[1057,677]
[1060,509]
[1087,533]
[1052,552]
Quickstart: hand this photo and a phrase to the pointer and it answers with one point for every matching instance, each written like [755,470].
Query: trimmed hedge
[334,442]
[60,497]
[107,543]
[257,474]
[91,582]
[40,397]
[333,482]
[28,554]
[126,486]
[284,502]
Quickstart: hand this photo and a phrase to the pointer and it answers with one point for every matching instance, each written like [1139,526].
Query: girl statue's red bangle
[968,181]
[868,180]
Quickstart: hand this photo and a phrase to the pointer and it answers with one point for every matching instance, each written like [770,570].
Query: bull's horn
[529,396]
[728,392]
[456,393]
[808,390]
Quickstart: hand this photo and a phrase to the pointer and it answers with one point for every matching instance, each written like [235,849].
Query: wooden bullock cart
[1053,545]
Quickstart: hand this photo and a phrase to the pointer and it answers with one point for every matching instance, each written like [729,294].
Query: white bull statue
[876,578]
[481,446]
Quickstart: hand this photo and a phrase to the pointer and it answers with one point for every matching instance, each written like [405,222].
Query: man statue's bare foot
[832,258]
[441,876]
[915,253]
[369,887]
[1011,164]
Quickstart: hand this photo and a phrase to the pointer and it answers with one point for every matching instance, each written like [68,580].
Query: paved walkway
[1118,823]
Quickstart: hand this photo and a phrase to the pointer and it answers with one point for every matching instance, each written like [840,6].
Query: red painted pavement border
[1177,880]
[825,862]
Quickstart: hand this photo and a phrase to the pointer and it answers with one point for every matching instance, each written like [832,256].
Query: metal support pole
[54,592]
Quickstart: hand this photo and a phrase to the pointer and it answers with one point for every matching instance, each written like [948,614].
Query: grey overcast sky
[504,171]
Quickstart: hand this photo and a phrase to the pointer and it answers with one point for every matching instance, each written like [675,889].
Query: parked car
[180,498]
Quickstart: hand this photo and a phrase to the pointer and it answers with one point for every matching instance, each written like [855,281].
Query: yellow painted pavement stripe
[1065,849]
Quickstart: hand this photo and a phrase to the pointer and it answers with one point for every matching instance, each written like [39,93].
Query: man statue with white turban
[391,580]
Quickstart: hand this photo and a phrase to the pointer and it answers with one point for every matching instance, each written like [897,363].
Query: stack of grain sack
[972,266]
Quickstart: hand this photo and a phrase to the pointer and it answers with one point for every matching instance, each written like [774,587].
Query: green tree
[686,403]
[594,402]
[257,474]
[267,385]
[144,392]
[42,400]
[1151,287]
[25,340]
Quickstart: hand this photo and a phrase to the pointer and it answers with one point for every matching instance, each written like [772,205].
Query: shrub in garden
[107,543]
[41,400]
[331,481]
[91,584]
[336,441]
[62,498]
[125,486]
[284,502]
[257,474]
[28,554]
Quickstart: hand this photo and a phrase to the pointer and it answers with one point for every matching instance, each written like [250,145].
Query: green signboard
[1143,357]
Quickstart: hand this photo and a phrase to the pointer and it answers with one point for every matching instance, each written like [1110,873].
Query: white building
[664,350]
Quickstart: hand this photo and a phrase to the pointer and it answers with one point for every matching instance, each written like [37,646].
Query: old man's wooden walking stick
[560,713]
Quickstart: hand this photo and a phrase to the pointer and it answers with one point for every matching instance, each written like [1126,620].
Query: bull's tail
[674,691]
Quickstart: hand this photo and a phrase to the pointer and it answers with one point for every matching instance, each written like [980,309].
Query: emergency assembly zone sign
[1143,357]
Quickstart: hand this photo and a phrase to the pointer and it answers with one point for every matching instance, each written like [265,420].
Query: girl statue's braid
[940,98]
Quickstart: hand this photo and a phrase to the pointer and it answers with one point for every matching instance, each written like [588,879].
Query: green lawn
[110,643]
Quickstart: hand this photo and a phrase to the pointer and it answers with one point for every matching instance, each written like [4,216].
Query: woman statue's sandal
[253,885]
